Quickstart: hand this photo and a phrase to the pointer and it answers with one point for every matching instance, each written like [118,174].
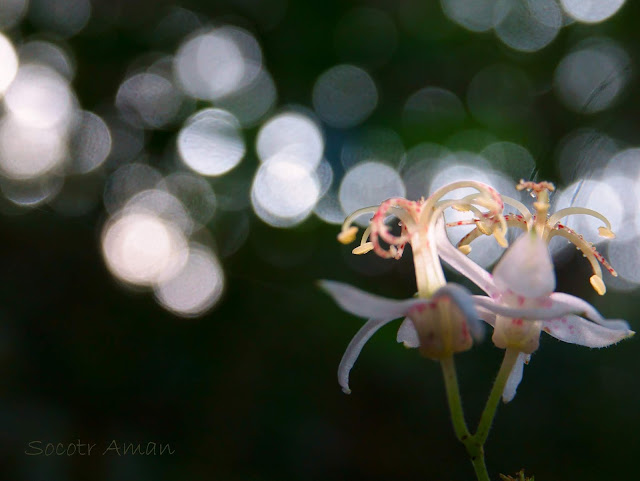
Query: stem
[480,467]
[510,357]
[475,449]
[453,398]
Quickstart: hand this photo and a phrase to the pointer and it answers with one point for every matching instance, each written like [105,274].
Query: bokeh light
[590,79]
[344,96]
[27,152]
[11,12]
[367,184]
[591,11]
[253,102]
[527,25]
[284,190]
[583,151]
[90,143]
[218,62]
[50,55]
[8,63]
[434,109]
[195,194]
[62,17]
[196,287]
[40,98]
[474,15]
[126,182]
[293,132]
[211,142]
[142,249]
[148,100]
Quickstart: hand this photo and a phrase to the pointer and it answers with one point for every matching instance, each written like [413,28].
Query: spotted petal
[585,309]
[526,268]
[363,304]
[354,348]
[576,330]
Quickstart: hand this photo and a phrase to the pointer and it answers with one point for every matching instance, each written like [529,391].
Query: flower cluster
[520,301]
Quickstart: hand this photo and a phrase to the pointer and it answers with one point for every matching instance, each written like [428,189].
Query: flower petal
[461,263]
[584,309]
[354,348]
[363,304]
[555,310]
[526,268]
[407,334]
[576,330]
[486,315]
[515,377]
[462,298]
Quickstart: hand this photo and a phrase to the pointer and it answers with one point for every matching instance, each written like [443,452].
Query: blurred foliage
[248,392]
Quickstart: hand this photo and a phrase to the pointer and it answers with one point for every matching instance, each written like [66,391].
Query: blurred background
[172,180]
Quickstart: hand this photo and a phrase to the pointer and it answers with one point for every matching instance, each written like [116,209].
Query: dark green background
[248,392]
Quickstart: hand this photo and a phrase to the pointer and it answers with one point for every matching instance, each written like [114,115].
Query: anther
[465,249]
[363,249]
[598,285]
[348,236]
[606,233]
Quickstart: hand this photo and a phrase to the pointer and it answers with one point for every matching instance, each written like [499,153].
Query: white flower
[439,326]
[546,226]
[522,284]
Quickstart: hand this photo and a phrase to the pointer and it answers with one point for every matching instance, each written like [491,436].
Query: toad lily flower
[522,303]
[437,326]
[442,320]
[417,222]
[546,226]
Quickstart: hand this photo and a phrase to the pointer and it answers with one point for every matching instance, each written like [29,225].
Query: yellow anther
[461,208]
[604,232]
[465,249]
[499,235]
[598,285]
[363,249]
[482,228]
[348,236]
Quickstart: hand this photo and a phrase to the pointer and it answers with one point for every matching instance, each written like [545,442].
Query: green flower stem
[453,397]
[475,443]
[475,450]
[486,419]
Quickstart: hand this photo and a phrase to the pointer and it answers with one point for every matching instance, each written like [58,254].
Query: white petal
[576,330]
[580,306]
[486,315]
[354,348]
[526,268]
[584,309]
[461,263]
[407,334]
[555,310]
[367,305]
[515,377]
